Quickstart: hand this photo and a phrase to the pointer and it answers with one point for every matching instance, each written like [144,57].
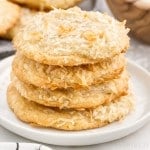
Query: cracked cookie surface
[72,37]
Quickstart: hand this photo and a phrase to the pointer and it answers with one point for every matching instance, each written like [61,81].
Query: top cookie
[71,37]
[9,14]
[47,4]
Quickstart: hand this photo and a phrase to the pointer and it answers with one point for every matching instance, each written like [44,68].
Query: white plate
[141,87]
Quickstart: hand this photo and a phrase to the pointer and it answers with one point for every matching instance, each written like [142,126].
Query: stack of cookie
[69,71]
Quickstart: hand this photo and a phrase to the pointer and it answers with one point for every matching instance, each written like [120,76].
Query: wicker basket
[137,16]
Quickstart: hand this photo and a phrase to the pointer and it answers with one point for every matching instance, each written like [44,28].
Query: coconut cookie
[47,4]
[72,37]
[9,15]
[68,119]
[70,98]
[54,77]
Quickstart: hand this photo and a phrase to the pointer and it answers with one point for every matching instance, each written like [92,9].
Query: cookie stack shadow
[69,91]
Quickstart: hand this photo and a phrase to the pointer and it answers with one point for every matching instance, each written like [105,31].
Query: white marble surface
[138,52]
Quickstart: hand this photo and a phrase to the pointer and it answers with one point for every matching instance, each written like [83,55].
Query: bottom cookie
[68,119]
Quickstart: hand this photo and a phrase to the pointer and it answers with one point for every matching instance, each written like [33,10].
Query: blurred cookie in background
[137,14]
[24,15]
[47,4]
[9,15]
